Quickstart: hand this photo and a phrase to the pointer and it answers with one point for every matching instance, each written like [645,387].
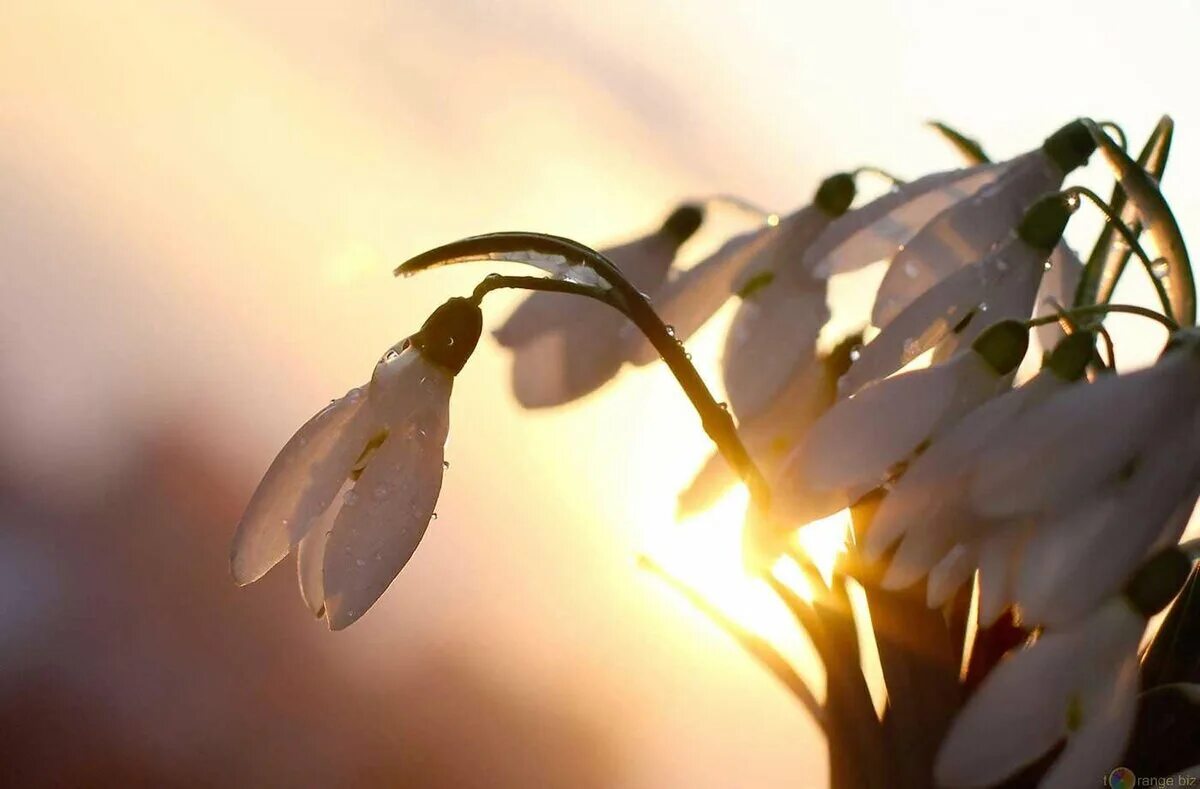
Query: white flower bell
[969,229]
[928,510]
[1079,684]
[1002,285]
[565,347]
[355,487]
[750,265]
[858,443]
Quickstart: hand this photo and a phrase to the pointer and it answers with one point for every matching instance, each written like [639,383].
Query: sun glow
[705,553]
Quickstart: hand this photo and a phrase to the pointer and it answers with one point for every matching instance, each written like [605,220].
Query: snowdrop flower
[771,435]
[565,347]
[928,509]
[859,442]
[969,229]
[1106,472]
[749,265]
[1002,285]
[355,488]
[1080,684]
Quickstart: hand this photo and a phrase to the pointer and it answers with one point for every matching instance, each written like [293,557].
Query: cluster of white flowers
[1065,493]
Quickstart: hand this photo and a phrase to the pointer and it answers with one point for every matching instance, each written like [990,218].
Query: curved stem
[1130,239]
[524,247]
[742,204]
[1122,140]
[879,171]
[1103,309]
[546,284]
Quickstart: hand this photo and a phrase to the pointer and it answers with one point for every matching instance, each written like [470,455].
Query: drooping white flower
[1082,440]
[970,228]
[355,487]
[1079,683]
[858,443]
[749,265]
[1001,285]
[928,509]
[565,347]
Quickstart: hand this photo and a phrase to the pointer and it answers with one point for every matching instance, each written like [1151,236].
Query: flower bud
[1043,224]
[1155,585]
[1070,146]
[835,194]
[448,337]
[1003,345]
[1071,356]
[682,223]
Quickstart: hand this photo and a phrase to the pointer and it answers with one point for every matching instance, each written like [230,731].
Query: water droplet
[445,464]
[722,405]
[492,276]
[380,493]
[911,348]
[379,557]
[855,354]
[910,271]
[983,307]
[1001,266]
[687,356]
[359,563]
[1047,266]
[670,331]
[391,355]
[284,522]
[433,517]
[1161,268]
[349,498]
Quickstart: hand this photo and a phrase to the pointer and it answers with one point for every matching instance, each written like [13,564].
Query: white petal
[1097,746]
[773,335]
[874,231]
[1060,451]
[690,299]
[948,522]
[940,469]
[963,234]
[686,301]
[271,523]
[858,440]
[1000,286]
[1016,715]
[644,262]
[999,556]
[1073,565]
[310,555]
[1058,291]
[561,366]
[390,505]
[955,568]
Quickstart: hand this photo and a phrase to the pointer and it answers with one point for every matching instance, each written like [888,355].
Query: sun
[705,552]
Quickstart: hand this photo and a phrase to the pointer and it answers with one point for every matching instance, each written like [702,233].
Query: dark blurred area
[129,658]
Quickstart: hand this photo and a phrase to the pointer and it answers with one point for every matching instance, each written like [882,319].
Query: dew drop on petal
[349,498]
[445,464]
[910,271]
[670,331]
[723,406]
[983,307]
[1047,265]
[433,517]
[1160,268]
[855,354]
[359,563]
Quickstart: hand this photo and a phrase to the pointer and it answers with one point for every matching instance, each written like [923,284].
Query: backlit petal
[963,234]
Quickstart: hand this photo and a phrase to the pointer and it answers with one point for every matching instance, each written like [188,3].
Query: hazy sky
[200,205]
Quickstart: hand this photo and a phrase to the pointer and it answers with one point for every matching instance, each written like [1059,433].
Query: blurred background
[200,205]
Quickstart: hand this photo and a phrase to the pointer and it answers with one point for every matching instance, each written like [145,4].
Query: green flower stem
[1101,309]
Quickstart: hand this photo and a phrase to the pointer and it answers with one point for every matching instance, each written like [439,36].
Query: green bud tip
[835,194]
[1002,345]
[682,223]
[449,336]
[1070,146]
[1156,582]
[1071,356]
[1044,221]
